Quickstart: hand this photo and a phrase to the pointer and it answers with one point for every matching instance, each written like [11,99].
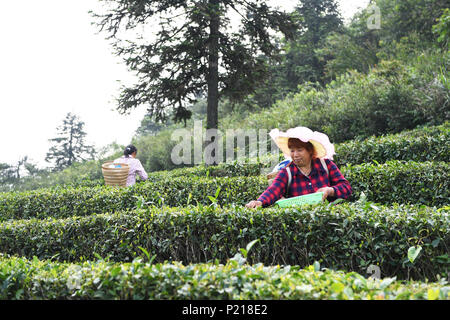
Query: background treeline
[423,144]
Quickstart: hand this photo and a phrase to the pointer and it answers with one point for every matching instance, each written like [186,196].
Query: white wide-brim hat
[322,145]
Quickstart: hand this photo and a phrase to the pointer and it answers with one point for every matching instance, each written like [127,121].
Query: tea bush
[402,182]
[236,280]
[348,236]
[395,181]
[422,144]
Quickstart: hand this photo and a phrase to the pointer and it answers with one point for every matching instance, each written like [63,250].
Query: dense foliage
[381,94]
[34,279]
[394,96]
[401,182]
[346,236]
[421,144]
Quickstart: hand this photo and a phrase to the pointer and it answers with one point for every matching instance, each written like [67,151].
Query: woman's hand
[254,204]
[327,192]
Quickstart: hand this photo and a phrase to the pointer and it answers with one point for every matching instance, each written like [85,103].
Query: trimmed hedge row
[236,280]
[66,202]
[349,236]
[233,169]
[425,183]
[422,144]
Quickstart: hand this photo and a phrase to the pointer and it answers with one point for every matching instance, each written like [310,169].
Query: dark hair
[129,150]
[297,143]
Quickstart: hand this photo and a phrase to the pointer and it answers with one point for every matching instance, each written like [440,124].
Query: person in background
[129,157]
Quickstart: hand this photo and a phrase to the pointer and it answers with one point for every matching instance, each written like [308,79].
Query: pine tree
[7,174]
[196,50]
[69,146]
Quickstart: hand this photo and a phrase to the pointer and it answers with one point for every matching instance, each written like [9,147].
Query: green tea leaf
[251,244]
[433,294]
[387,282]
[413,252]
[337,287]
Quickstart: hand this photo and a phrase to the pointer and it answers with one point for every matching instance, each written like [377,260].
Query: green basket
[312,198]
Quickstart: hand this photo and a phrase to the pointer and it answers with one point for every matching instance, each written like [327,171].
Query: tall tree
[406,26]
[401,17]
[198,47]
[23,162]
[301,62]
[10,175]
[7,173]
[354,47]
[69,146]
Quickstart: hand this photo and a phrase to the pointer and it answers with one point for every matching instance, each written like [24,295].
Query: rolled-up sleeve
[341,186]
[140,170]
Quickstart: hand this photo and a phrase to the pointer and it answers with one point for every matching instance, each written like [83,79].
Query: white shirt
[135,167]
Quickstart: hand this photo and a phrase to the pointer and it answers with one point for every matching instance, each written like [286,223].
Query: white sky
[52,62]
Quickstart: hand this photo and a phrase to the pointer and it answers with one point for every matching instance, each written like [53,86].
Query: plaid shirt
[301,184]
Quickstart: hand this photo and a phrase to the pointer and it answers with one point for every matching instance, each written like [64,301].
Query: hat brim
[320,141]
[282,143]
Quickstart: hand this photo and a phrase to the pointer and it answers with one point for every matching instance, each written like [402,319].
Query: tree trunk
[213,64]
[71,155]
[213,78]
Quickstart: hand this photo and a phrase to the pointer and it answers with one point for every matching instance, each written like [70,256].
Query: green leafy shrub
[421,144]
[348,236]
[396,181]
[36,280]
[394,96]
[425,183]
[65,202]
[232,169]
[441,29]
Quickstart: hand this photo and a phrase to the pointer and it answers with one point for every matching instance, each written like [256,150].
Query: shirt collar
[316,167]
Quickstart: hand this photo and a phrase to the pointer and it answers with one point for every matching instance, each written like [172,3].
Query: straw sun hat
[322,145]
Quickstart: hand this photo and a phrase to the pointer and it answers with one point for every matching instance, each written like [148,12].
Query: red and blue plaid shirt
[301,184]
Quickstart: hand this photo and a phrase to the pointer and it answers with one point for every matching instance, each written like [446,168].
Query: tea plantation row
[349,236]
[425,183]
[34,279]
[157,221]
[422,144]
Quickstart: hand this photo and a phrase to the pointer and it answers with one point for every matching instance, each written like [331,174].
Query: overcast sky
[52,62]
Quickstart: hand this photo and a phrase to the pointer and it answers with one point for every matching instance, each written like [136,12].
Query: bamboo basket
[115,176]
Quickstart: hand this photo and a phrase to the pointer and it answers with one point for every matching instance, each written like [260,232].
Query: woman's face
[301,156]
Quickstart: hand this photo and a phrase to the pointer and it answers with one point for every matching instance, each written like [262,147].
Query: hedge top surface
[349,236]
[394,181]
[235,280]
